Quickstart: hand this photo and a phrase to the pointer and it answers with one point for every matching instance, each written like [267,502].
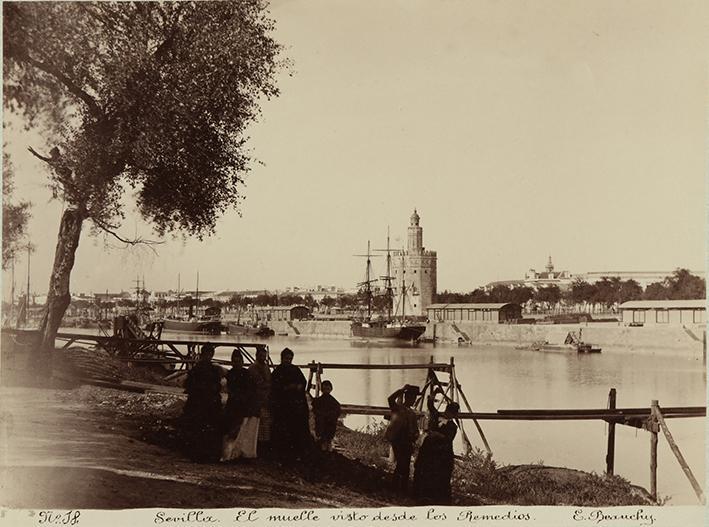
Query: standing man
[402,433]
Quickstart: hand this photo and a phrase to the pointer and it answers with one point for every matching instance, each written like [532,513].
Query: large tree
[148,100]
[14,215]
[680,285]
[683,285]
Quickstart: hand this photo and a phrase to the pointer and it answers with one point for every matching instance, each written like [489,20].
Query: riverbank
[93,447]
[686,341]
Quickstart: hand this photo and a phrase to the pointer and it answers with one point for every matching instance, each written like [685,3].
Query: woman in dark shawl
[202,414]
[434,464]
[289,408]
[260,371]
[240,413]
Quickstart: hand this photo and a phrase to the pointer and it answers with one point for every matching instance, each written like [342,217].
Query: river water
[496,377]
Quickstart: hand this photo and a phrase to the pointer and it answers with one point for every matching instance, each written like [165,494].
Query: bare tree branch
[133,242]
[93,106]
[39,156]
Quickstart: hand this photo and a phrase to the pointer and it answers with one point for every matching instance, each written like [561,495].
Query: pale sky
[518,129]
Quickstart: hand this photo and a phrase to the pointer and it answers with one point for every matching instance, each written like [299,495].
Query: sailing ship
[394,326]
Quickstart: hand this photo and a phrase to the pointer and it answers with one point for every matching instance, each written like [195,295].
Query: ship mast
[401,301]
[12,290]
[367,284]
[389,292]
[403,288]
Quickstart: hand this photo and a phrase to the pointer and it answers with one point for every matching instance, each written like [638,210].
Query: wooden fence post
[610,455]
[652,427]
[680,458]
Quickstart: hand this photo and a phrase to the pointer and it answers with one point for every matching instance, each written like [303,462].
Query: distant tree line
[607,292]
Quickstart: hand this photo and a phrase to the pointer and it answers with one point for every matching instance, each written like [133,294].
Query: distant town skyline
[518,130]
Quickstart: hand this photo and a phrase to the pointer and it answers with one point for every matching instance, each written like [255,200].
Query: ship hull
[211,327]
[397,332]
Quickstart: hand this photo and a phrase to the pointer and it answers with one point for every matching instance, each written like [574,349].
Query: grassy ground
[479,479]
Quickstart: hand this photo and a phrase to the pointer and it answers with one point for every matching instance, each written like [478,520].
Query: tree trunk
[58,295]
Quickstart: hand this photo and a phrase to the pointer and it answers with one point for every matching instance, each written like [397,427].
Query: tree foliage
[150,96]
[14,215]
[680,285]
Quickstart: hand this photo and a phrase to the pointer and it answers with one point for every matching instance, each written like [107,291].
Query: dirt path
[72,449]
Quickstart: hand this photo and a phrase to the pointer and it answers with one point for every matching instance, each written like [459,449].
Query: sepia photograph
[437,261]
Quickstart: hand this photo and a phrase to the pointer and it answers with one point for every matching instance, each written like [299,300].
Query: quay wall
[312,328]
[611,336]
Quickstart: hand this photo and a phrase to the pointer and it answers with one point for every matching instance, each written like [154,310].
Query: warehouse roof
[664,304]
[479,305]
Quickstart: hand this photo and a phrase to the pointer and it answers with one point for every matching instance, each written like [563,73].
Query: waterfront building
[415,267]
[671,312]
[274,313]
[486,312]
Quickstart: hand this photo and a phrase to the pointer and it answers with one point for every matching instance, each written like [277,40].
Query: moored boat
[387,330]
[234,328]
[208,326]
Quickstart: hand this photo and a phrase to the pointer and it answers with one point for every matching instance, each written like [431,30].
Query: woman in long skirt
[241,419]
[434,464]
[261,374]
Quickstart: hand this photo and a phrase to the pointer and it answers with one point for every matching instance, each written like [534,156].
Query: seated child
[326,410]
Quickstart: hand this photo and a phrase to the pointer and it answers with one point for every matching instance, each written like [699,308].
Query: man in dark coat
[289,408]
[202,414]
[403,432]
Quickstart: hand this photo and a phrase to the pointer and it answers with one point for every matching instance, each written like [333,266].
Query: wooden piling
[310,376]
[610,453]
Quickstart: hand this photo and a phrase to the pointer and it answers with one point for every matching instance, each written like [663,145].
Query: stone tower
[550,266]
[416,267]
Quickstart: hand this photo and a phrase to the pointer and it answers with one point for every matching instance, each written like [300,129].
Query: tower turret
[415,245]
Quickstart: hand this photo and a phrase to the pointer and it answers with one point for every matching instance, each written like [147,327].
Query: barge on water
[572,343]
[234,328]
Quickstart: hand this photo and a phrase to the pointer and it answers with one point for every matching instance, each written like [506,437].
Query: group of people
[265,413]
[433,467]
